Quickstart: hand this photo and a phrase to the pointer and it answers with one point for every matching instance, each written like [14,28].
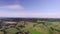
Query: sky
[30,8]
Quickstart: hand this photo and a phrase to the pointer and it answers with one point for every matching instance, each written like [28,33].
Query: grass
[1,32]
[12,30]
[43,29]
[34,31]
[38,29]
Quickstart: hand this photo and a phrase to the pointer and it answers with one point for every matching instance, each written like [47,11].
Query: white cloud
[16,7]
[11,14]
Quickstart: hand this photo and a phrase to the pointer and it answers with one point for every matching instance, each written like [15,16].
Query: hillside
[30,26]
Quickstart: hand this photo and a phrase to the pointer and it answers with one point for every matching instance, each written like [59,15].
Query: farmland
[38,26]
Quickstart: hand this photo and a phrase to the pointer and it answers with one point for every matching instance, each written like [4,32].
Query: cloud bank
[31,15]
[24,14]
[14,7]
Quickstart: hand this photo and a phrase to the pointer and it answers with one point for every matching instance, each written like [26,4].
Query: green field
[35,28]
[34,31]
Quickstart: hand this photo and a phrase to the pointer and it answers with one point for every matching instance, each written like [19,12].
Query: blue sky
[30,8]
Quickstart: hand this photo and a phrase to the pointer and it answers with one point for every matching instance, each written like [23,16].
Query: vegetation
[34,31]
[12,30]
[32,27]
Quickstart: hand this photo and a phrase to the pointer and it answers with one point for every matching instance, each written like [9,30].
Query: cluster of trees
[17,26]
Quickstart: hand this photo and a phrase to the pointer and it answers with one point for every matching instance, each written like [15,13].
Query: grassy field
[39,28]
[34,31]
[35,28]
[12,30]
